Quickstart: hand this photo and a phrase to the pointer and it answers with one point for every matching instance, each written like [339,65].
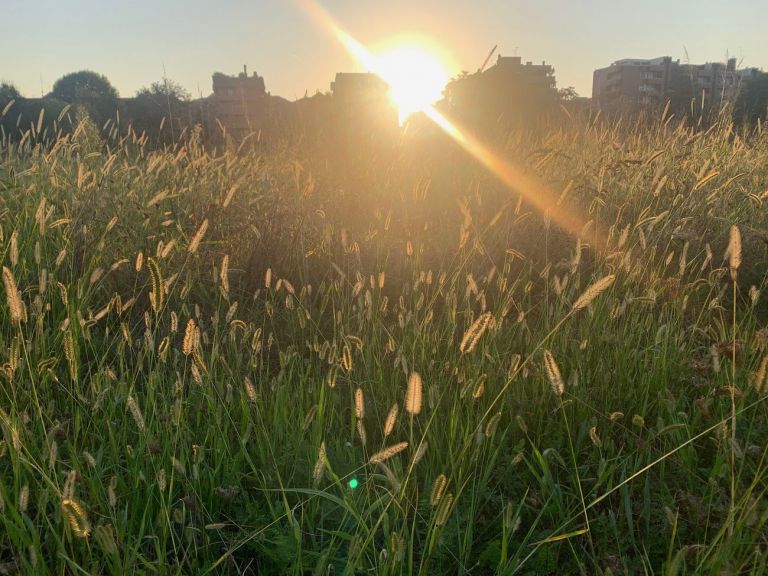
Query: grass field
[380,359]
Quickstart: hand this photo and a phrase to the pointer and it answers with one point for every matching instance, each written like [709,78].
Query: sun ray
[533,190]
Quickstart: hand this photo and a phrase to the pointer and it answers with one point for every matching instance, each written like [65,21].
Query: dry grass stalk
[135,411]
[189,343]
[493,423]
[394,482]
[76,516]
[319,469]
[474,332]
[14,249]
[15,304]
[224,275]
[413,395]
[438,487]
[112,492]
[594,437]
[23,499]
[593,292]
[359,403]
[157,295]
[361,433]
[421,451]
[389,424]
[734,251]
[194,244]
[444,510]
[387,453]
[70,354]
[346,359]
[553,373]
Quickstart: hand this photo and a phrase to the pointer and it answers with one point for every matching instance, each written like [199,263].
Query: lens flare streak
[532,189]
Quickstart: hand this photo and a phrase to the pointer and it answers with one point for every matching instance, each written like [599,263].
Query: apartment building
[638,83]
[240,103]
[633,82]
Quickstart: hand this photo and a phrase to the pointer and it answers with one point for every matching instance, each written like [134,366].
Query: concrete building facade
[240,103]
[639,83]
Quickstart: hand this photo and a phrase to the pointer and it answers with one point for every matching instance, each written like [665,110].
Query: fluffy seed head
[359,403]
[194,244]
[444,510]
[190,338]
[438,487]
[76,517]
[387,453]
[389,424]
[413,395]
[13,296]
[594,437]
[361,433]
[593,292]
[224,274]
[553,373]
[734,251]
[474,332]
[135,411]
[319,469]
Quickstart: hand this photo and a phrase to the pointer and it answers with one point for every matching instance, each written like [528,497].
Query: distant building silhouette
[357,88]
[240,103]
[508,93]
[638,83]
[361,101]
[633,82]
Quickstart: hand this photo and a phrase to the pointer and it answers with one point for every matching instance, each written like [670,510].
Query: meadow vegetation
[375,358]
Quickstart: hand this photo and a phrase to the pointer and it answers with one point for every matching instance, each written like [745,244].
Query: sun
[415,76]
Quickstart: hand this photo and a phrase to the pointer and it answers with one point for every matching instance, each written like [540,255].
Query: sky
[137,42]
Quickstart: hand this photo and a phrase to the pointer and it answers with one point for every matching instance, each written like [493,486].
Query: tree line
[161,110]
[164,109]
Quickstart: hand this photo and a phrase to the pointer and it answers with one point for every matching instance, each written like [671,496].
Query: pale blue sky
[131,41]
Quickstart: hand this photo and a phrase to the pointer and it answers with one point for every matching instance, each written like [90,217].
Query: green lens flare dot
[353,483]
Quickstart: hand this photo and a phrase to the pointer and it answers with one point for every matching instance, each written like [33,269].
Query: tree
[165,89]
[8,92]
[752,102]
[163,103]
[567,94]
[89,90]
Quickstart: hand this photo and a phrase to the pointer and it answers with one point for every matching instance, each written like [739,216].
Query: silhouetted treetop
[165,89]
[83,86]
[8,92]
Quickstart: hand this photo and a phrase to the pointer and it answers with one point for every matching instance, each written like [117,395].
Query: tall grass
[381,359]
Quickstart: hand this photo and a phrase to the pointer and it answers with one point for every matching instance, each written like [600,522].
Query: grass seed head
[414,394]
[593,292]
[438,487]
[76,516]
[474,332]
[319,469]
[387,453]
[16,305]
[553,373]
[194,244]
[135,411]
[734,251]
[389,424]
[359,403]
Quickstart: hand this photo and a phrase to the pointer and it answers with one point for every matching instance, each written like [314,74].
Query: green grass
[128,448]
